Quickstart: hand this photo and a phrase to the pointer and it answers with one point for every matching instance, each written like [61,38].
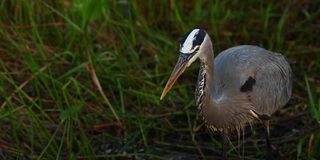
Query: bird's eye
[197,49]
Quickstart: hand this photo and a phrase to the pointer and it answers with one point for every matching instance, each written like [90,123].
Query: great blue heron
[241,84]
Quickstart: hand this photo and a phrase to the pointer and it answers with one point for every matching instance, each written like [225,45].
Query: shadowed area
[82,79]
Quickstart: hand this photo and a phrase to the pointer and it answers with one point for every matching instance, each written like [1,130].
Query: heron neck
[208,66]
[205,78]
[206,103]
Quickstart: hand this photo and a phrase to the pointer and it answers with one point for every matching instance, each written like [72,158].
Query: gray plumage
[241,83]
[226,105]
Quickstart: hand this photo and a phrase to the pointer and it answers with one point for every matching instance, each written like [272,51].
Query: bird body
[226,106]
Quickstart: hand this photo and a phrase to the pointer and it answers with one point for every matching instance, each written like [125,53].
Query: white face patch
[186,47]
[193,59]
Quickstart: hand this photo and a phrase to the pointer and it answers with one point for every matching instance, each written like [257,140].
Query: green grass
[82,79]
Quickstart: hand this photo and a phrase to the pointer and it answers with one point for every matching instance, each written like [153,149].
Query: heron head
[192,46]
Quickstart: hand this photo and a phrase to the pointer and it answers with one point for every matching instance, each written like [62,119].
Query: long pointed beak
[177,71]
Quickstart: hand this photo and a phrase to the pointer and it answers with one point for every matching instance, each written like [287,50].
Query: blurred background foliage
[81,79]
